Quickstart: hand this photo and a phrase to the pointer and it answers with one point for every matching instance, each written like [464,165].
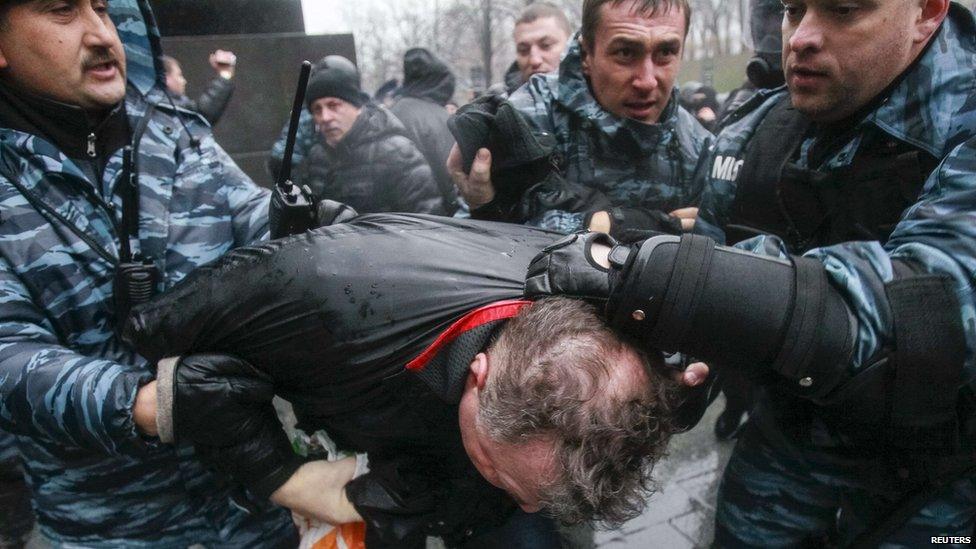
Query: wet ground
[681,514]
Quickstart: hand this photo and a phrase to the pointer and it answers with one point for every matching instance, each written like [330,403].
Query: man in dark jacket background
[428,85]
[368,160]
[214,100]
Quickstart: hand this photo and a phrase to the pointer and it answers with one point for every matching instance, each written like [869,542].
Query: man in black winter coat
[368,160]
[428,85]
[406,338]
[214,100]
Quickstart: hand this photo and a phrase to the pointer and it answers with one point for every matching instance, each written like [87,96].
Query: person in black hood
[428,85]
[368,160]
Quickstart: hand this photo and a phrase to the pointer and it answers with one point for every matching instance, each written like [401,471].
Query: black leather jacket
[333,316]
[375,168]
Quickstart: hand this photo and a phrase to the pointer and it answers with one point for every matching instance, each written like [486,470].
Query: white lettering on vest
[726,168]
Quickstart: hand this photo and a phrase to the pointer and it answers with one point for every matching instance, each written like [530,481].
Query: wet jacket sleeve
[416,190]
[214,100]
[534,101]
[552,203]
[402,505]
[50,392]
[247,202]
[937,235]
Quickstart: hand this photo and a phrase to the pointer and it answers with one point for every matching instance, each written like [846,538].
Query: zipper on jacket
[92,151]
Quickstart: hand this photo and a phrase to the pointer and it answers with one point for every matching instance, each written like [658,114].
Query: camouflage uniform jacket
[67,383]
[631,163]
[8,447]
[306,137]
[933,108]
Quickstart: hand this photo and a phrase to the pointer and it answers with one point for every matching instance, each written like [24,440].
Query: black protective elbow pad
[735,308]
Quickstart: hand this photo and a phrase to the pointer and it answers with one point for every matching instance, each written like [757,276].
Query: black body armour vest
[810,208]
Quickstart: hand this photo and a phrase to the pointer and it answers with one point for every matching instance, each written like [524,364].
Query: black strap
[930,349]
[130,184]
[130,206]
[680,302]
[809,297]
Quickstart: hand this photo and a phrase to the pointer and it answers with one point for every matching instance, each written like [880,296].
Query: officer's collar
[65,126]
[929,105]
[443,366]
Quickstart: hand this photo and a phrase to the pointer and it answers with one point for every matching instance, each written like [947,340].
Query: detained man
[407,338]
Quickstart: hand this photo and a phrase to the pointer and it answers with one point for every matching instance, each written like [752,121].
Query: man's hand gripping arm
[222,405]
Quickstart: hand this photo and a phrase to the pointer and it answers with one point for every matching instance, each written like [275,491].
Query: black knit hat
[335,76]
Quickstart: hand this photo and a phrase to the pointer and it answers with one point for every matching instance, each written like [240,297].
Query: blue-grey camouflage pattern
[934,108]
[67,384]
[805,494]
[305,138]
[810,490]
[631,163]
[8,447]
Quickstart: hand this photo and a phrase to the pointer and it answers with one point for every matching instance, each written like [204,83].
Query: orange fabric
[345,536]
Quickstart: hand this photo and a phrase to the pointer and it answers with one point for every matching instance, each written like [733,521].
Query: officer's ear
[932,14]
[585,55]
[478,371]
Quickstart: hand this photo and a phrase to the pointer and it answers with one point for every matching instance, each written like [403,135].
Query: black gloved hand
[216,397]
[568,268]
[330,212]
[472,125]
[629,225]
[520,156]
[262,463]
[222,405]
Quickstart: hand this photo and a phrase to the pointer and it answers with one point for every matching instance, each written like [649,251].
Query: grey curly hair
[553,382]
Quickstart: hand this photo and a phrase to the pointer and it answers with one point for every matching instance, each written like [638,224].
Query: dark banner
[205,17]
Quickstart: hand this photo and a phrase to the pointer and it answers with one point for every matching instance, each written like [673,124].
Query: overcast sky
[324,17]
